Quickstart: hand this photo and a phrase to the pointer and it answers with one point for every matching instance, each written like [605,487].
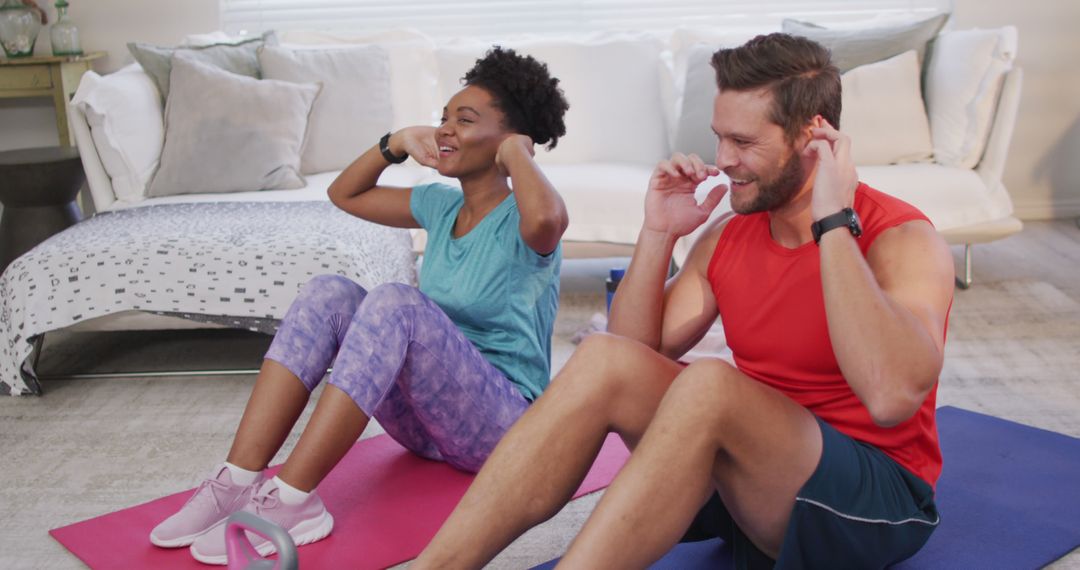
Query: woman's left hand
[509,147]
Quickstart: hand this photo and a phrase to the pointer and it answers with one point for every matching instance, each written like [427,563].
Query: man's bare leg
[610,384]
[715,429]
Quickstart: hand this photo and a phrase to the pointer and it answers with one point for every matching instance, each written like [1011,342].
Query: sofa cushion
[124,113]
[230,133]
[612,84]
[883,97]
[951,197]
[239,57]
[852,47]
[883,112]
[693,133]
[964,78]
[414,72]
[605,201]
[352,111]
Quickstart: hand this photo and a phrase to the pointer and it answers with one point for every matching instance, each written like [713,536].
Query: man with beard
[818,448]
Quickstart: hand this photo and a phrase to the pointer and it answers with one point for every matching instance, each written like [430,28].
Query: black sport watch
[384,148]
[844,218]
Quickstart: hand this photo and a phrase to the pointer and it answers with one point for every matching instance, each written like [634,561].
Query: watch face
[854,223]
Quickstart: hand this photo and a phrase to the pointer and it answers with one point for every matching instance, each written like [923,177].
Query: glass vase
[19,27]
[64,34]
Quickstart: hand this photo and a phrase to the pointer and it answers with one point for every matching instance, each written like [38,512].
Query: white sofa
[634,99]
[221,247]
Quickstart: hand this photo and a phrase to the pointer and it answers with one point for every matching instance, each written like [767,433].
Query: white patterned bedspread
[231,262]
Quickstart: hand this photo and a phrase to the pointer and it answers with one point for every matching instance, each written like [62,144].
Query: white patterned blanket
[231,262]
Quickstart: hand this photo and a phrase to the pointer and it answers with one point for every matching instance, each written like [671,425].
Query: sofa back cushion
[882,97]
[124,112]
[230,133]
[238,57]
[612,84]
[414,88]
[964,78]
[855,46]
[353,109]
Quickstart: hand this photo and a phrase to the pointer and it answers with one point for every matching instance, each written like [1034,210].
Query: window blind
[485,18]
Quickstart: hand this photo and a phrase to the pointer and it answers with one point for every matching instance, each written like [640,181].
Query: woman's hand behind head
[514,145]
[419,143]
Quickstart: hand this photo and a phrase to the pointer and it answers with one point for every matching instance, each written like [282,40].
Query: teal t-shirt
[497,290]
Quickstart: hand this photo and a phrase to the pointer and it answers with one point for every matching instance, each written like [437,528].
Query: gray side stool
[38,187]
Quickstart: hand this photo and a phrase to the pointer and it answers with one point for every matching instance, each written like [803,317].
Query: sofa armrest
[992,165]
[101,189]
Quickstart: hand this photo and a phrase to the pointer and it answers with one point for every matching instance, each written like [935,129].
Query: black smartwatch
[844,218]
[384,148]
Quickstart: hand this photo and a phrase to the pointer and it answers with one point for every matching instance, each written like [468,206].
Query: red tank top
[773,311]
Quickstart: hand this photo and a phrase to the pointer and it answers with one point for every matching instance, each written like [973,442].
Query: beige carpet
[93,446]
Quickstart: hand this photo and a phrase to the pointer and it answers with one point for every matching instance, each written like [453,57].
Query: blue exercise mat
[1009,497]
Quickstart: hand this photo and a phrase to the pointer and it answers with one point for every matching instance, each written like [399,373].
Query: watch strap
[843,218]
[384,148]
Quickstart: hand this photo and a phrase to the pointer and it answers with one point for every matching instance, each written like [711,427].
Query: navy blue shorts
[859,509]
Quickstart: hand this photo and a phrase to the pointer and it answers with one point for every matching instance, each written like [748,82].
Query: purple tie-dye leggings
[403,362]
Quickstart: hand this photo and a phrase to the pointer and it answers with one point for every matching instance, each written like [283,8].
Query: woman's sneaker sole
[307,532]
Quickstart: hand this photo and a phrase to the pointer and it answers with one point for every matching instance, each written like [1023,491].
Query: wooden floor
[1045,250]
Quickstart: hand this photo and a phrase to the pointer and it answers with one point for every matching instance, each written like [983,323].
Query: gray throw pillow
[854,47]
[352,111]
[229,133]
[241,58]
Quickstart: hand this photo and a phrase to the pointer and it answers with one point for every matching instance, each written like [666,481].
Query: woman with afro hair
[446,368]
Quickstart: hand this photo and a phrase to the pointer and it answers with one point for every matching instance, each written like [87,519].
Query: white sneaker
[307,522]
[214,500]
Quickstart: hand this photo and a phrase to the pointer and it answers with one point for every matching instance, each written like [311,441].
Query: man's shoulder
[870,201]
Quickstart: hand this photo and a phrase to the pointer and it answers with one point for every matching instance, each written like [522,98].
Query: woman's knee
[392,296]
[333,293]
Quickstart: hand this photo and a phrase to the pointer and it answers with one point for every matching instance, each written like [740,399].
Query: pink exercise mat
[387,504]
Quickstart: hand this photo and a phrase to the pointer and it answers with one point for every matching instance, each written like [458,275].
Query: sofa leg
[964,282]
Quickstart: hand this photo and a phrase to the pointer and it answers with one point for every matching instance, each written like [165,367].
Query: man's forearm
[884,352]
[638,308]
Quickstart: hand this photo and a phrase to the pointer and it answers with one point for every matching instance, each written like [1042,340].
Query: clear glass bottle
[64,34]
[19,27]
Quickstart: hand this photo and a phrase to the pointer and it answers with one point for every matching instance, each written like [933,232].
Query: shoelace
[265,501]
[214,486]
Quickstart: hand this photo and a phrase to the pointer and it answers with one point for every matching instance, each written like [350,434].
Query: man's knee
[706,391]
[604,366]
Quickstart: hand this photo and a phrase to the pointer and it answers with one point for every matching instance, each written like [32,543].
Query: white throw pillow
[352,111]
[124,112]
[612,84]
[883,112]
[963,81]
[413,70]
[230,133]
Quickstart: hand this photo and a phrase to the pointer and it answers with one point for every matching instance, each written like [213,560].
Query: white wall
[1042,175]
[1043,171]
[104,25]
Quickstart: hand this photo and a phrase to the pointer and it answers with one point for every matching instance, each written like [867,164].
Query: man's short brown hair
[798,72]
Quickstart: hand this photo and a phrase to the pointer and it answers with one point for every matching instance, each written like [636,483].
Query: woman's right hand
[670,205]
[418,142]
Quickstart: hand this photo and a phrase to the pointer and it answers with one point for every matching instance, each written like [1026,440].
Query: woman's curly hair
[524,91]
